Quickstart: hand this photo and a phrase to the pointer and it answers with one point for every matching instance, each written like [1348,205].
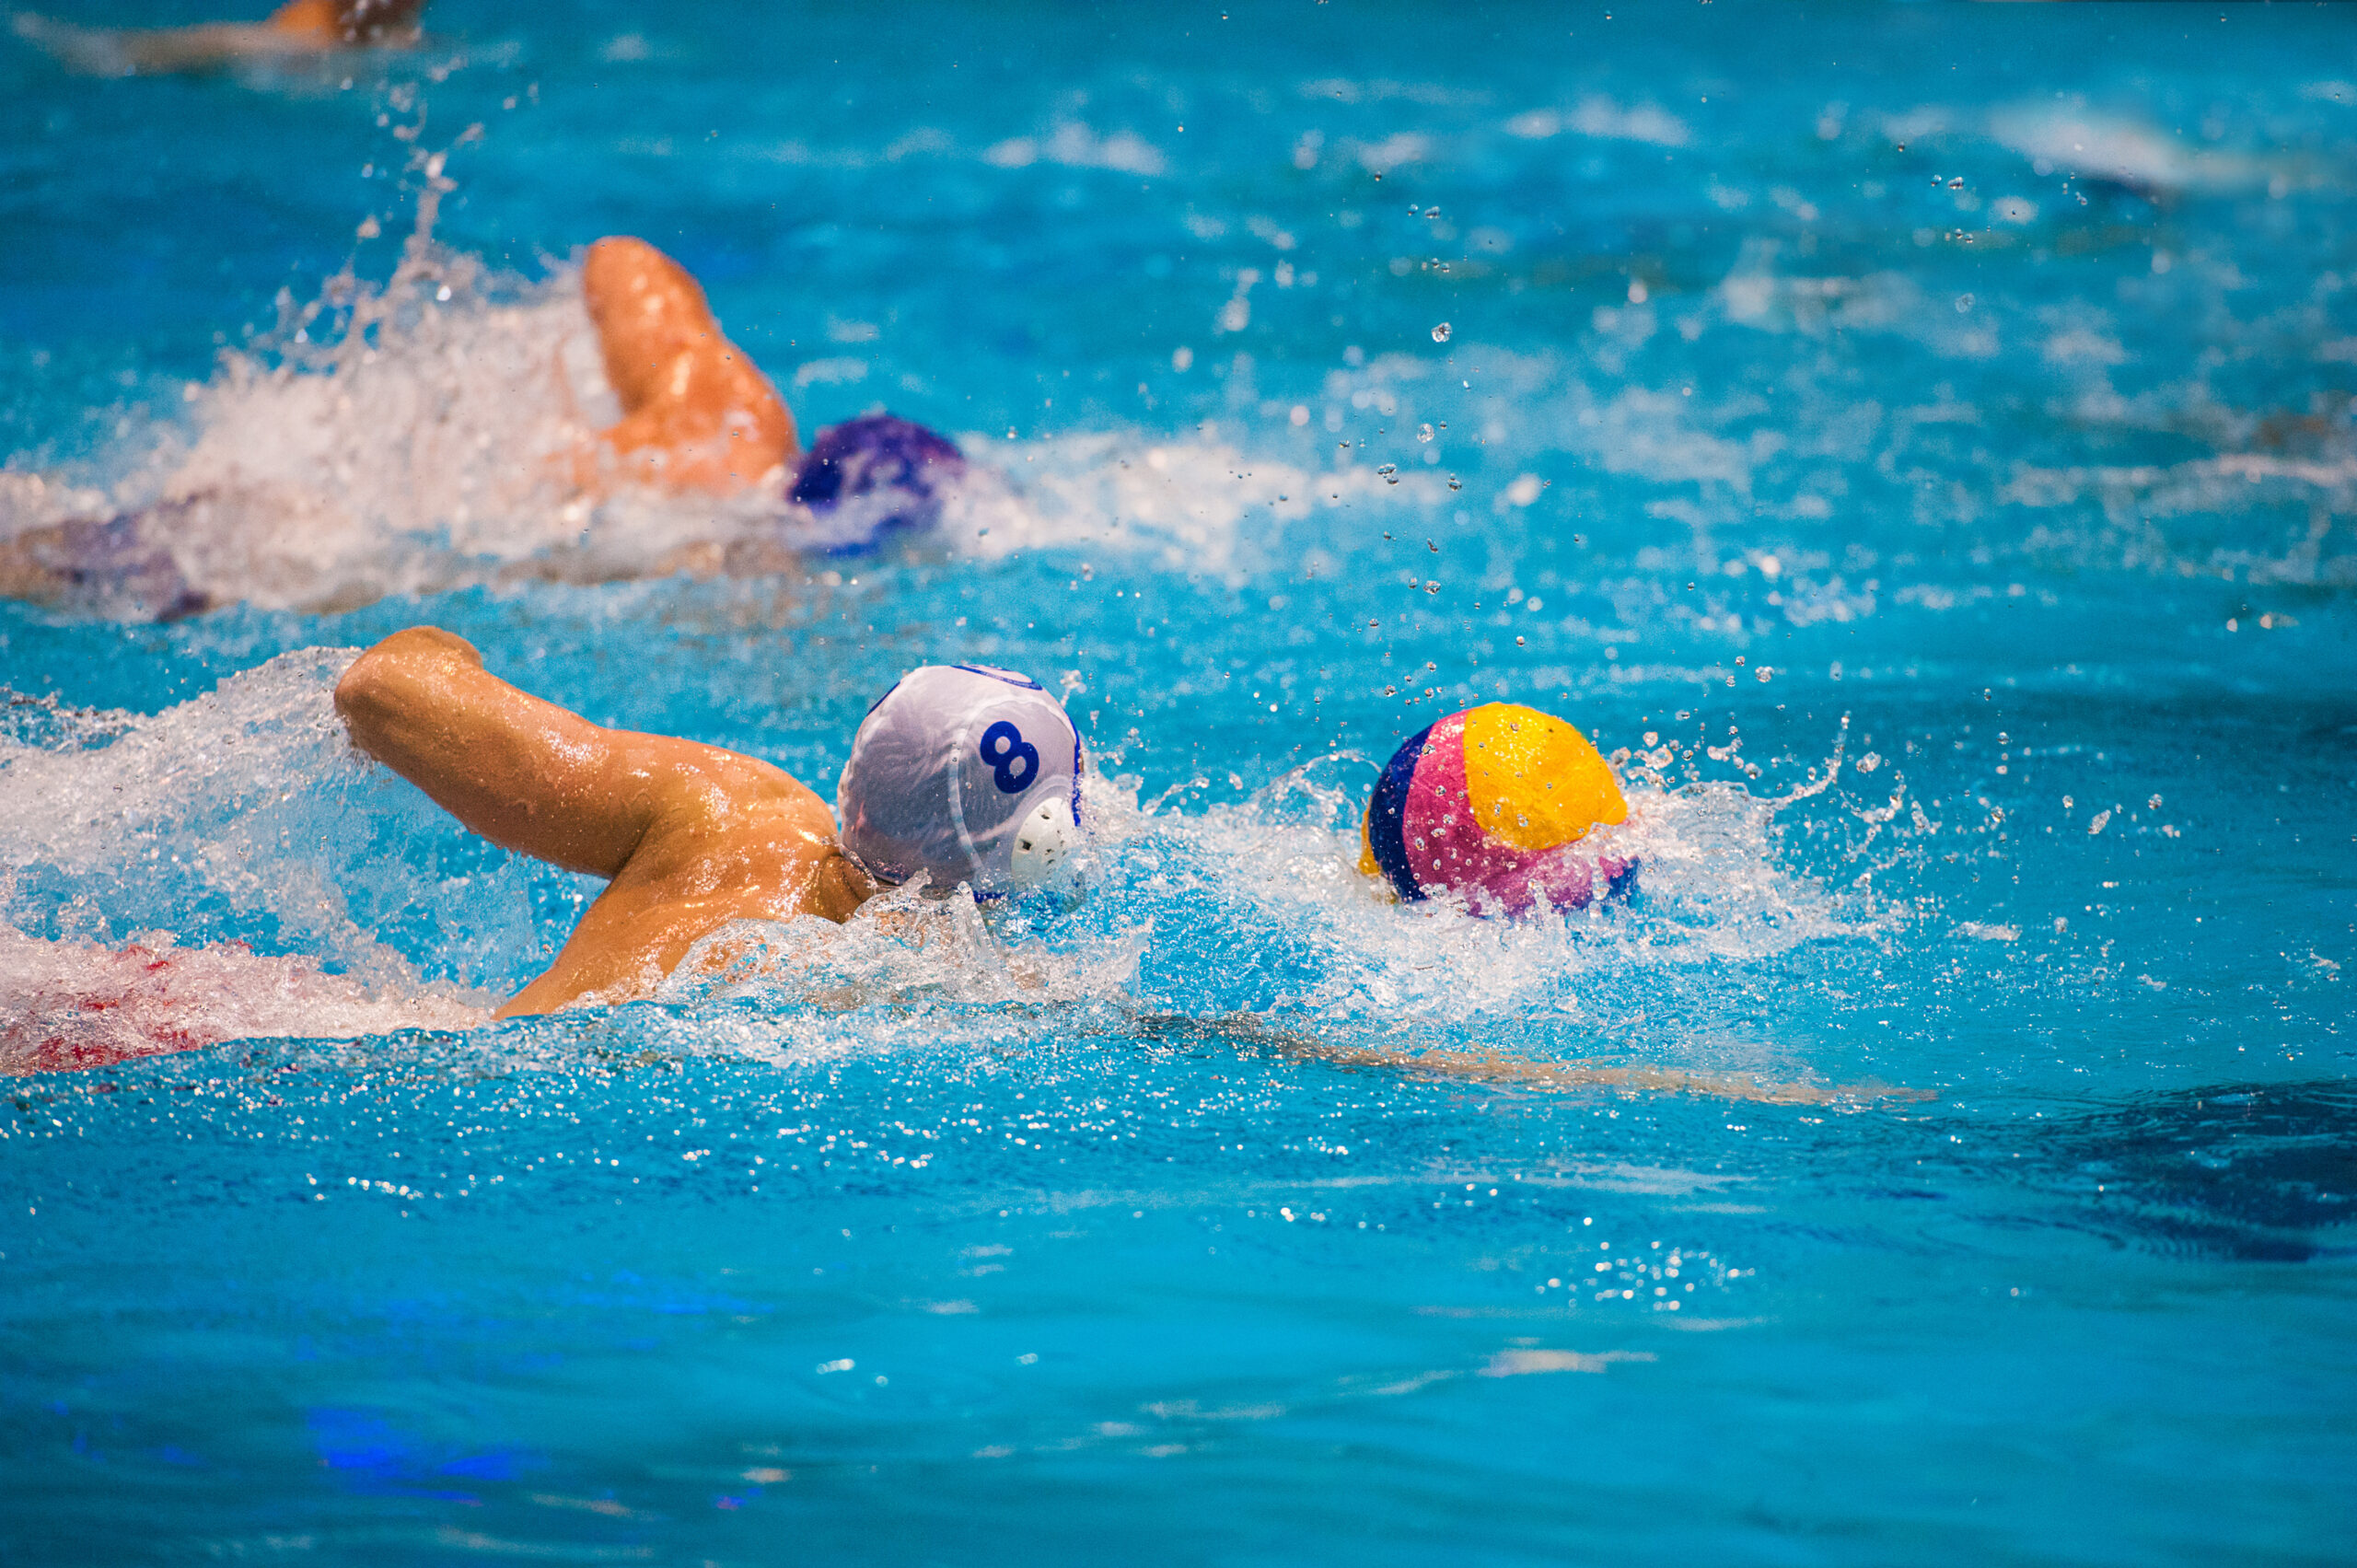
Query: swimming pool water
[1920,437]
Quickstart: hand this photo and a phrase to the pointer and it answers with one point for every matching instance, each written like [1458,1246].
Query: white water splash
[1186,506]
[246,815]
[73,1005]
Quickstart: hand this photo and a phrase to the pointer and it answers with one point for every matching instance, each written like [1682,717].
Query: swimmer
[302,29]
[698,418]
[959,775]
[1494,1069]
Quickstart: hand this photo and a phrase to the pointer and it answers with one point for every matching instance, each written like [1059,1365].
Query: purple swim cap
[867,476]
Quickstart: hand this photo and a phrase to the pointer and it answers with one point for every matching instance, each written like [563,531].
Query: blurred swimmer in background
[302,29]
[699,419]
[961,774]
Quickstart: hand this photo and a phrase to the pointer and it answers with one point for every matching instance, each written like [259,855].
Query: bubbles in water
[1391,472]
[1423,433]
[1963,303]
[1441,333]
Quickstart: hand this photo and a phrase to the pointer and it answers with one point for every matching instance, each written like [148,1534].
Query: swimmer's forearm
[527,774]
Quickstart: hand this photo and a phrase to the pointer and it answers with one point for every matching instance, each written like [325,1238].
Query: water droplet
[1454,482]
[1423,433]
[1391,474]
[1440,334]
[1963,303]
[1957,183]
[1431,212]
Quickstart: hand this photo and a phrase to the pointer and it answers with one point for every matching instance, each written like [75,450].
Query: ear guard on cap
[1043,842]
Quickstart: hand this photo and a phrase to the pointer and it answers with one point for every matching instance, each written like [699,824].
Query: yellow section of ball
[1534,781]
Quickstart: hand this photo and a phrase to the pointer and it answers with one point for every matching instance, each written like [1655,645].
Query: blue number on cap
[1013,760]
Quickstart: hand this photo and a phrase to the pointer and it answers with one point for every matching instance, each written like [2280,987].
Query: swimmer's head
[1490,804]
[370,21]
[963,774]
[873,475]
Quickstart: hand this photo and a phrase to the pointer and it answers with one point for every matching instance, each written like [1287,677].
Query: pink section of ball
[1448,851]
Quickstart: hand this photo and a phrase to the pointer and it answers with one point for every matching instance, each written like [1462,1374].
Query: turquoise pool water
[1921,438]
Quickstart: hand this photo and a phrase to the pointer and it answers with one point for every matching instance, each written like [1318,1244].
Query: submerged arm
[1497,1070]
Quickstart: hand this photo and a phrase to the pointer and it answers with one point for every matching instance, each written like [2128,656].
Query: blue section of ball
[1386,813]
[873,476]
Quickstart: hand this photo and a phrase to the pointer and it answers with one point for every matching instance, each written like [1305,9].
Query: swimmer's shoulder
[714,799]
[733,826]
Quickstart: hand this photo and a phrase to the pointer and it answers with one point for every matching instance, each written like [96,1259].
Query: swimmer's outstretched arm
[1510,1071]
[1496,1070]
[534,777]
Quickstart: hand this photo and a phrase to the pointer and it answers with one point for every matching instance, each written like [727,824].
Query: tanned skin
[689,837]
[697,413]
[303,27]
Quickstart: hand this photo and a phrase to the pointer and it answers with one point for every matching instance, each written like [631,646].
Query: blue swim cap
[870,476]
[963,774]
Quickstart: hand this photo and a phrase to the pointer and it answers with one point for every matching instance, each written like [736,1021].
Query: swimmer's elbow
[395,674]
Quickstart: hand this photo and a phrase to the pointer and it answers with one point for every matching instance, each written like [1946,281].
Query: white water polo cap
[962,773]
